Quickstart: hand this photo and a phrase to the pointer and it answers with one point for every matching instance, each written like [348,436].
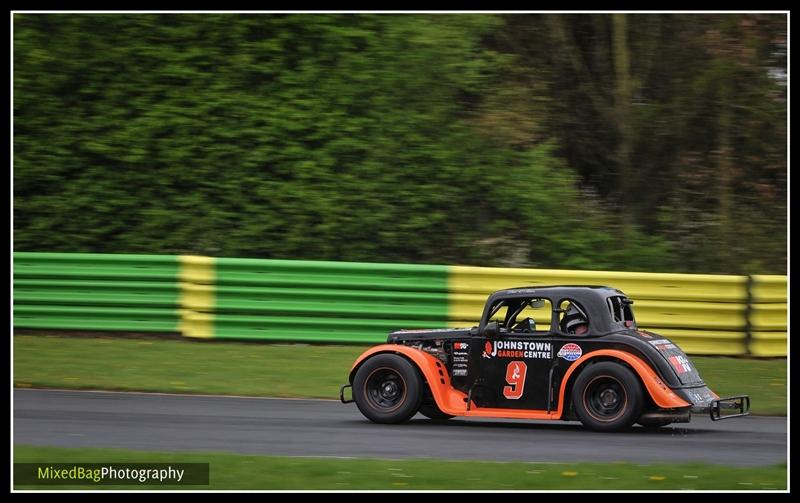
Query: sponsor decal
[518,349]
[515,377]
[662,344]
[681,364]
[460,359]
[644,334]
[570,352]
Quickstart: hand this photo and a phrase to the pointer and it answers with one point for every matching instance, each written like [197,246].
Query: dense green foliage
[648,143]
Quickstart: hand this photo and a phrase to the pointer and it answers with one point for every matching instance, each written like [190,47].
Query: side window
[615,308]
[531,317]
[621,311]
[572,318]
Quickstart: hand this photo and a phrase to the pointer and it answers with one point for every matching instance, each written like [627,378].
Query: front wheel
[387,389]
[607,396]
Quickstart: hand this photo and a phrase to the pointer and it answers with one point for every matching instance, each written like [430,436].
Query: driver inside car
[574,321]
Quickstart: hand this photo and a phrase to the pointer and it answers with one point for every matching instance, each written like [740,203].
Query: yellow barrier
[259,299]
[655,286]
[703,313]
[769,344]
[769,288]
[705,342]
[695,315]
[768,317]
[197,282]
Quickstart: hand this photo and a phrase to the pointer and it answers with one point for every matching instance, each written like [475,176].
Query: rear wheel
[387,389]
[607,396]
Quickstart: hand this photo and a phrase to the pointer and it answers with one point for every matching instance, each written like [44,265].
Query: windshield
[522,315]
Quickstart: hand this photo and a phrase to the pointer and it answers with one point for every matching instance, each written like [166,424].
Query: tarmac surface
[328,428]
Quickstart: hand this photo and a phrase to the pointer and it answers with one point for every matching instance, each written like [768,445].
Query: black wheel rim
[385,389]
[605,398]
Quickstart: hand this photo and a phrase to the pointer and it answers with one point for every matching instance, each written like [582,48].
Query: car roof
[597,291]
[592,299]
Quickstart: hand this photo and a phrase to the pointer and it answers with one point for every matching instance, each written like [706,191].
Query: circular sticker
[570,352]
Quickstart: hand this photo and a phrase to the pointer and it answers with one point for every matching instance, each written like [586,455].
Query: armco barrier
[703,313]
[96,292]
[320,301]
[768,316]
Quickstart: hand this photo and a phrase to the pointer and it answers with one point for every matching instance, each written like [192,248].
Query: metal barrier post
[748,327]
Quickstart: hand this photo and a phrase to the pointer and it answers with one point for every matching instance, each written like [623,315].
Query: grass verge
[235,471]
[280,370]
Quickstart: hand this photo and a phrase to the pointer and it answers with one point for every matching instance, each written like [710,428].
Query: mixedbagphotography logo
[150,474]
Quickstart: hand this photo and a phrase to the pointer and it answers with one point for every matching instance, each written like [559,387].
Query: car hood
[428,334]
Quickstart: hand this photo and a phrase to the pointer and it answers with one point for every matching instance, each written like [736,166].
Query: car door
[514,368]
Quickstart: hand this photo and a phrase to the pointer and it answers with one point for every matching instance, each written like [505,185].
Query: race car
[544,353]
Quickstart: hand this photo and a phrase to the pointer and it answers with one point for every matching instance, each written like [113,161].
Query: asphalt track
[162,422]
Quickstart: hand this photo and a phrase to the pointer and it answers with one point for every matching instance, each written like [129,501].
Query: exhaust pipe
[658,416]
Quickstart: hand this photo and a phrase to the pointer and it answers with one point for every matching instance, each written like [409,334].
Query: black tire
[387,388]
[607,396]
[433,412]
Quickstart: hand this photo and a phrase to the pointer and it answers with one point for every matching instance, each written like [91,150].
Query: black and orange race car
[555,352]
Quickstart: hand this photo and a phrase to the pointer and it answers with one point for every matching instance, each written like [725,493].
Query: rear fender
[661,394]
[449,400]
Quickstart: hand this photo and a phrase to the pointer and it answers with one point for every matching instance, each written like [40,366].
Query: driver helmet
[573,319]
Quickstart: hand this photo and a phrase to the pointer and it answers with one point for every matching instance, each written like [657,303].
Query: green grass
[177,366]
[293,370]
[234,471]
[763,380]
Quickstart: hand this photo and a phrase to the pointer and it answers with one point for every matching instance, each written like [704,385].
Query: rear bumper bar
[341,393]
[739,404]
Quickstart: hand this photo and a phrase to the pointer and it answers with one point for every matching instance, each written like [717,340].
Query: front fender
[449,400]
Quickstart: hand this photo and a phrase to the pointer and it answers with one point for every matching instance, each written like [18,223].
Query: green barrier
[334,330]
[86,291]
[96,318]
[42,291]
[323,301]
[85,266]
[332,303]
[326,274]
